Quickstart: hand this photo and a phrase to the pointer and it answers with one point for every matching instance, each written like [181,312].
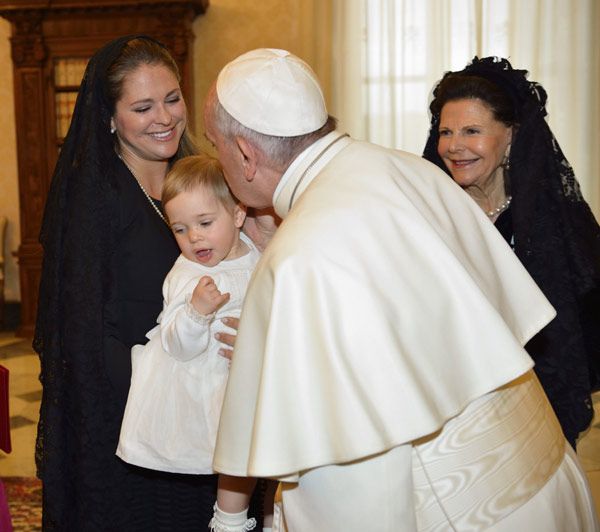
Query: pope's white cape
[385,303]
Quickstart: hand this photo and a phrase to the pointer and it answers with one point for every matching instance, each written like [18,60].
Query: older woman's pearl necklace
[500,208]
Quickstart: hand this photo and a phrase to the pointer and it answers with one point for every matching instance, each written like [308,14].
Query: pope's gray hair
[281,151]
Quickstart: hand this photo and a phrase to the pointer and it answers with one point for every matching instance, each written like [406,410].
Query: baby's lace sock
[226,522]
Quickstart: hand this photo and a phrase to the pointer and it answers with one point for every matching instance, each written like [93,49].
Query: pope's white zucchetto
[272,92]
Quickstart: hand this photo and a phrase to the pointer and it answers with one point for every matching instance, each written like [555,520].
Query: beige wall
[9,192]
[229,28]
[232,27]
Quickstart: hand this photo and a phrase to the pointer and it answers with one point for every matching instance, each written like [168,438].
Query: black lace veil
[541,178]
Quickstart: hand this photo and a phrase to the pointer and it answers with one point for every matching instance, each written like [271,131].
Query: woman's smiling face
[472,142]
[150,116]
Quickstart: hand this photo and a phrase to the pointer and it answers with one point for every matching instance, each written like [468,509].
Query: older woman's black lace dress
[562,356]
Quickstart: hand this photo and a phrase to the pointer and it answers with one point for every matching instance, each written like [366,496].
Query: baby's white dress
[178,378]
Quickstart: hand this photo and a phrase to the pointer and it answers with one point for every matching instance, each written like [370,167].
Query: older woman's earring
[112,130]
[505,165]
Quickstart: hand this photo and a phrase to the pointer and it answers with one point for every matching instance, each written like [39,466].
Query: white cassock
[379,368]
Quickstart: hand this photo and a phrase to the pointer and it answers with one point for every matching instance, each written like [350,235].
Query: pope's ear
[249,155]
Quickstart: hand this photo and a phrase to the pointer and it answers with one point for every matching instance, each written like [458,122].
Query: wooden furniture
[51,42]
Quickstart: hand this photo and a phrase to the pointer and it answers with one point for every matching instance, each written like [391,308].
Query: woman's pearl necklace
[145,193]
[497,210]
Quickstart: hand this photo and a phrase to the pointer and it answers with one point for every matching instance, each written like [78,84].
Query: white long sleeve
[185,333]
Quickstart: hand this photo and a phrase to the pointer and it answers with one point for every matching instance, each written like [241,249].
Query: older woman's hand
[228,338]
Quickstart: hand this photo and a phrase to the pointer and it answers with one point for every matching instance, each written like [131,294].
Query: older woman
[489,133]
[107,249]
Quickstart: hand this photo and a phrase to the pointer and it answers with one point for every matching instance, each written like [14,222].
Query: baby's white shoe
[226,522]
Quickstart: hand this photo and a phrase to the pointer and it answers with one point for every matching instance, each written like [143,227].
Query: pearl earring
[112,130]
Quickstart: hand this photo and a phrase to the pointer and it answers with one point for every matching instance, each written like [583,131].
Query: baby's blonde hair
[197,171]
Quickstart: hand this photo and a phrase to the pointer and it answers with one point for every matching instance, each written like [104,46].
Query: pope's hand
[260,226]
[227,338]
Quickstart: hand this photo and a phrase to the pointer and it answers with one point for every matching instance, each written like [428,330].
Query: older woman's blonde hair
[198,171]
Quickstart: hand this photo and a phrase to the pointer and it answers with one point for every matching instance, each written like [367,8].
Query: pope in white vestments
[379,369]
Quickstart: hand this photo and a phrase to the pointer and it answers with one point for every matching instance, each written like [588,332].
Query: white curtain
[388,54]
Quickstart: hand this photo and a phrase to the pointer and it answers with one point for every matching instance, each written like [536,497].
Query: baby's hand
[206,297]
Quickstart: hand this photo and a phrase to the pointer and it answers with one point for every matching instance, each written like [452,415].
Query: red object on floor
[4,412]
[5,520]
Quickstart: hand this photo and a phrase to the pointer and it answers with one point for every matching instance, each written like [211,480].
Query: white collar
[304,169]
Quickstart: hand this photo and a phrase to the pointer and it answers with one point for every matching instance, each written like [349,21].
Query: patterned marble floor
[25,395]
